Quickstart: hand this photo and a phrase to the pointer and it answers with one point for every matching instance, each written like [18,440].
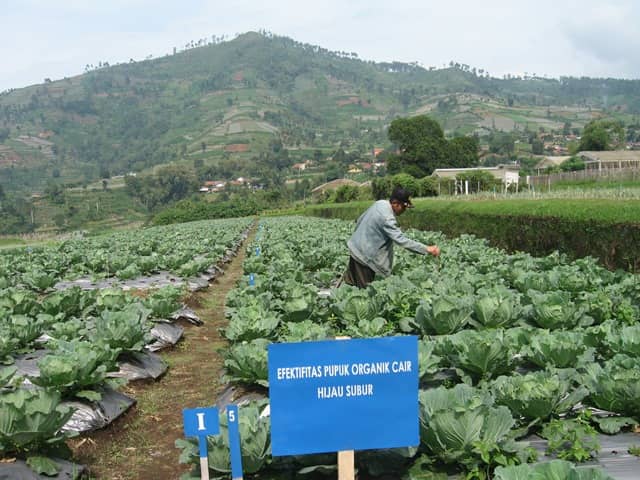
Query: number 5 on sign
[200,422]
[234,442]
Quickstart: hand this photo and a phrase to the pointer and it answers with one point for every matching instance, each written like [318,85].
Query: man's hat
[400,195]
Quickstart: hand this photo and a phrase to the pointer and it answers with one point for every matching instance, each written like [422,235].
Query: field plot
[66,351]
[526,364]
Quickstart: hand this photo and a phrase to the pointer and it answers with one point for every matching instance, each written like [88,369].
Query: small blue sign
[201,421]
[235,449]
[343,395]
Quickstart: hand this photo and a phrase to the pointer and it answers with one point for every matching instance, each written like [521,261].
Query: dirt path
[140,445]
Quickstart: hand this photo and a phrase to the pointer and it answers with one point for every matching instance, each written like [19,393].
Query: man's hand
[433,250]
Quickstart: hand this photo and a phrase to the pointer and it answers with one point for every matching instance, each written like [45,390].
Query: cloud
[607,38]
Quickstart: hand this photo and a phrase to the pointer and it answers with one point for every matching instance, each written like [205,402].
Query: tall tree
[421,144]
[602,135]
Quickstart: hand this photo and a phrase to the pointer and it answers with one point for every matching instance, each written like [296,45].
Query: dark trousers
[357,274]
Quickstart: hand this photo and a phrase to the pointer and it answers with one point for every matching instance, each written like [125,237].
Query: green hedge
[189,211]
[606,229]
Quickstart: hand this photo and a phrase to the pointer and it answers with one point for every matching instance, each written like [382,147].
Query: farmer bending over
[371,245]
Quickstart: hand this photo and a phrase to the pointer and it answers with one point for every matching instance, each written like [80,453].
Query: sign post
[346,458]
[343,395]
[234,442]
[200,422]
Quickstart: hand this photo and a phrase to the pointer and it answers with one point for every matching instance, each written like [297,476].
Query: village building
[508,174]
[611,159]
[550,162]
[333,185]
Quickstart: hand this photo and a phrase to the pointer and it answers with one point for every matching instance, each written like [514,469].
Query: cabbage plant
[246,363]
[30,423]
[496,307]
[537,395]
[480,355]
[558,348]
[615,386]
[444,314]
[553,470]
[76,368]
[556,310]
[462,426]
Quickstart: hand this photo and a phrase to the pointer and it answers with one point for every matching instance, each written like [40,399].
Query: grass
[609,211]
[11,242]
[602,210]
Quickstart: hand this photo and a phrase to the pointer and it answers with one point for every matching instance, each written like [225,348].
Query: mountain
[224,104]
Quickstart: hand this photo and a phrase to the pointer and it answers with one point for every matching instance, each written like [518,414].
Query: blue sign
[234,441]
[201,421]
[343,395]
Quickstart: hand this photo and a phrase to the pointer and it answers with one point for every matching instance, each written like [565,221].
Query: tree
[537,146]
[55,193]
[502,143]
[463,152]
[601,135]
[421,143]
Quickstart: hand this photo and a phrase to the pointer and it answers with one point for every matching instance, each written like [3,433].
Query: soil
[140,444]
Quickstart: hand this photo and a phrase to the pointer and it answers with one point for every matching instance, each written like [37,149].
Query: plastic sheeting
[237,396]
[27,364]
[140,366]
[89,416]
[159,279]
[133,366]
[166,335]
[614,456]
[19,470]
[187,315]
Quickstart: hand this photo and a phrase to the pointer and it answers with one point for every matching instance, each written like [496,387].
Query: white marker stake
[346,458]
[204,463]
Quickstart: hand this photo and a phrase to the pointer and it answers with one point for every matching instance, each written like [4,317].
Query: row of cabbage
[64,353]
[510,345]
[184,250]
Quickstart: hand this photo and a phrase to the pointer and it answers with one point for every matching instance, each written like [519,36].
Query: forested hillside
[255,105]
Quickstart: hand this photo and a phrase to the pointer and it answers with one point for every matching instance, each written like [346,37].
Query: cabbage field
[65,350]
[528,366]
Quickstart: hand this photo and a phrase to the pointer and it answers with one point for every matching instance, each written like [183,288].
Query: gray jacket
[376,232]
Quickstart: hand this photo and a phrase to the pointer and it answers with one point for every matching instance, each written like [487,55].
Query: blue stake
[234,442]
[257,251]
[252,280]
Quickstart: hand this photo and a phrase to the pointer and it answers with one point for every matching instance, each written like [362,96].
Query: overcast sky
[597,38]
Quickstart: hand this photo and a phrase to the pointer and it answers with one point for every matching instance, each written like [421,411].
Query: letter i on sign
[200,422]
[234,442]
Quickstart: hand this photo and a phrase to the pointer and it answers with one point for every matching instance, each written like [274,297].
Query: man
[371,245]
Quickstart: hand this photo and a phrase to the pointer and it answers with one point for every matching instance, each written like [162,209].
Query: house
[377,151]
[551,161]
[610,159]
[333,185]
[509,175]
[299,167]
[211,186]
